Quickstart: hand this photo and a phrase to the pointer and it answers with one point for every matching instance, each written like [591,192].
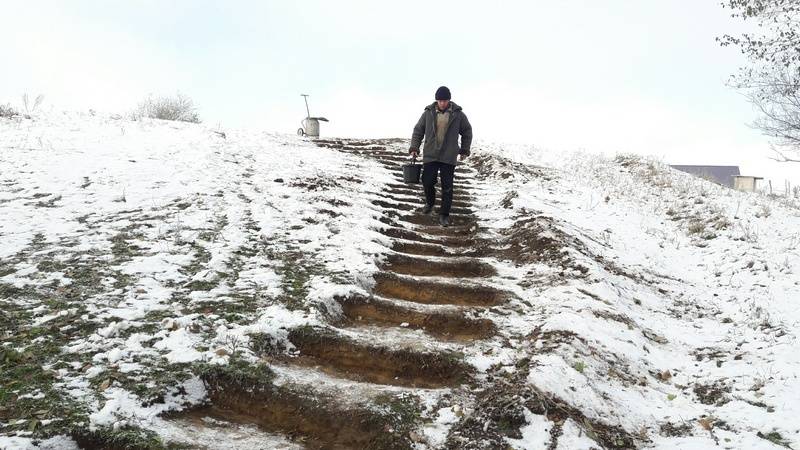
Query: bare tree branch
[772,81]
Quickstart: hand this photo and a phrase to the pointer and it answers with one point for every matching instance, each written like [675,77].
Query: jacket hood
[432,106]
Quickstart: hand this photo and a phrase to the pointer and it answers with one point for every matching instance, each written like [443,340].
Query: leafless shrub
[121,198]
[7,111]
[31,108]
[696,227]
[763,211]
[180,108]
[233,344]
[721,223]
[793,242]
[749,233]
[785,265]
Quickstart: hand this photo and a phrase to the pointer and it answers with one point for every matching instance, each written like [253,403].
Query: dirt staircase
[406,335]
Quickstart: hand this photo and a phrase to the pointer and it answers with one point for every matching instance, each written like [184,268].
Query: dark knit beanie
[443,93]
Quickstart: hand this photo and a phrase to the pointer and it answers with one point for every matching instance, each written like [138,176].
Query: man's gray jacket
[426,127]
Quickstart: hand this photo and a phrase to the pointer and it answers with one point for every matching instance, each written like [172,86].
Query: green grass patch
[127,437]
[404,414]
[238,371]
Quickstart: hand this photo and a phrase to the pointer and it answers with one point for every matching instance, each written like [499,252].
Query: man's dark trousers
[446,172]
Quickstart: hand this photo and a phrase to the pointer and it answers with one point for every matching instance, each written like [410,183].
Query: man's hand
[462,157]
[414,152]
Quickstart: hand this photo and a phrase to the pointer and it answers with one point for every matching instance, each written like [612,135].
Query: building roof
[719,174]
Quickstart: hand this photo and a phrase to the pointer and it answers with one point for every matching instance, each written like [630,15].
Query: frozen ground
[652,309]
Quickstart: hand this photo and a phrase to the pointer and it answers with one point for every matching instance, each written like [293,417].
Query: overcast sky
[642,76]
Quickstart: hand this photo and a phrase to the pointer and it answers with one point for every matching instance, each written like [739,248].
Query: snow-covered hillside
[166,283]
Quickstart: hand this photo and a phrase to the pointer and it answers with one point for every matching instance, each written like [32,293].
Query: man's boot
[444,221]
[426,210]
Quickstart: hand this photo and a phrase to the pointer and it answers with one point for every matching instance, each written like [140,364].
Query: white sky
[607,76]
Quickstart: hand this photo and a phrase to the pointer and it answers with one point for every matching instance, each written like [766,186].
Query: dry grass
[179,108]
[7,111]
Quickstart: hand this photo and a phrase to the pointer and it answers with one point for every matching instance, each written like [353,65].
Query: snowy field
[652,309]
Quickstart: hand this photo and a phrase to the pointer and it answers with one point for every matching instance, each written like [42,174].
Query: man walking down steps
[440,124]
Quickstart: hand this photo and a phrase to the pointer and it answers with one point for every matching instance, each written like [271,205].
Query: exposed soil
[713,393]
[435,292]
[445,325]
[464,268]
[393,205]
[417,200]
[457,220]
[458,196]
[317,421]
[416,248]
[376,364]
[457,228]
[455,243]
[501,415]
[433,279]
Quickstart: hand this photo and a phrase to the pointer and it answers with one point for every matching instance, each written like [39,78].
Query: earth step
[394,205]
[461,177]
[458,211]
[319,421]
[463,181]
[388,154]
[209,428]
[366,148]
[436,291]
[455,229]
[330,144]
[449,324]
[403,155]
[400,185]
[448,267]
[412,235]
[414,186]
[418,198]
[456,219]
[419,193]
[348,392]
[363,360]
[361,142]
[388,151]
[380,152]
[418,248]
[459,193]
[351,143]
[417,189]
[395,164]
[406,206]
[415,206]
[377,154]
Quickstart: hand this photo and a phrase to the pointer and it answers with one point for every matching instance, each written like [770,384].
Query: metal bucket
[311,126]
[412,172]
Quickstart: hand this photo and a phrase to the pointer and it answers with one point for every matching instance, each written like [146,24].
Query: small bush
[749,233]
[31,108]
[7,111]
[696,227]
[180,108]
